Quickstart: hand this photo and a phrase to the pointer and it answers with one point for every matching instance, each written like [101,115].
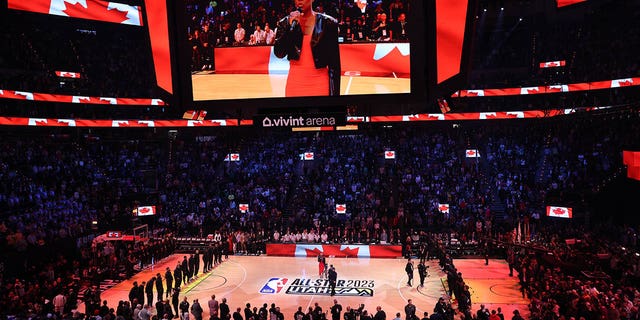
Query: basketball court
[290,282]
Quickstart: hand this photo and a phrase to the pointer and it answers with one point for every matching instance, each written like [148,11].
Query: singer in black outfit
[310,41]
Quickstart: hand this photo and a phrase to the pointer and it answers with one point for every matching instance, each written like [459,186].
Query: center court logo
[274,285]
[321,287]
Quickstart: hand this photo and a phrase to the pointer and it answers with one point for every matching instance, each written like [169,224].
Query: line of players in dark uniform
[185,272]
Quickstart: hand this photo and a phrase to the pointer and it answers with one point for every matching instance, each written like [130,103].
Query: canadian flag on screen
[308,156]
[113,12]
[559,212]
[67,74]
[232,157]
[472,153]
[243,207]
[389,154]
[553,64]
[443,207]
[146,211]
[341,208]
[114,234]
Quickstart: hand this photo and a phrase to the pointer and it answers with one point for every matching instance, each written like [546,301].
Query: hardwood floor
[293,282]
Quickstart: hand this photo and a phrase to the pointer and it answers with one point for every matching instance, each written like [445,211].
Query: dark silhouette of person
[409,270]
[333,278]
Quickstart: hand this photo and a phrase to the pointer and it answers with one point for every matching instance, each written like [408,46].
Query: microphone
[295,23]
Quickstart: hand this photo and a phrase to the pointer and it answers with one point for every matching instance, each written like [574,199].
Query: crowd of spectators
[55,190]
[55,186]
[551,271]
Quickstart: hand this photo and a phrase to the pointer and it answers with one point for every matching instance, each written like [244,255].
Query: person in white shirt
[269,35]
[324,237]
[260,35]
[311,236]
[276,236]
[238,34]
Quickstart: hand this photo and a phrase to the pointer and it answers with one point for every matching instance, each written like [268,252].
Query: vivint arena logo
[298,121]
[274,285]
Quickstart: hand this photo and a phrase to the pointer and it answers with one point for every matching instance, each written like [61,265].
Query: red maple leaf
[390,153]
[553,64]
[41,122]
[122,123]
[96,10]
[554,89]
[313,253]
[350,252]
[530,91]
[443,208]
[625,83]
[21,95]
[79,99]
[472,94]
[235,157]
[244,207]
[471,153]
[308,155]
[559,211]
[144,210]
[195,123]
[417,117]
[341,208]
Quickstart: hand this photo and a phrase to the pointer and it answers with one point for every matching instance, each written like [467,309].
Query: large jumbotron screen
[237,50]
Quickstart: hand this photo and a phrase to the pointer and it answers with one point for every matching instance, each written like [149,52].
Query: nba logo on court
[274,285]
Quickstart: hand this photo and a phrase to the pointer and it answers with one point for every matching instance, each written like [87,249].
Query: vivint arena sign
[287,121]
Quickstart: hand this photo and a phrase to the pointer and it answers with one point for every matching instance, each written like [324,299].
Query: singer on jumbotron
[310,41]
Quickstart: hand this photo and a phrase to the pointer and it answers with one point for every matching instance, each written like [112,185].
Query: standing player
[409,270]
[333,278]
[422,272]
